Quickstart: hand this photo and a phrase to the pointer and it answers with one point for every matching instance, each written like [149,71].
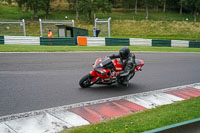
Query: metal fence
[18,28]
[13,27]
[104,26]
[46,25]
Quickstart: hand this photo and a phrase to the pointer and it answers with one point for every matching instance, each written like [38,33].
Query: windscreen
[106,63]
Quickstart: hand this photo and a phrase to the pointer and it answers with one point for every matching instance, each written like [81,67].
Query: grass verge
[124,23]
[146,120]
[32,48]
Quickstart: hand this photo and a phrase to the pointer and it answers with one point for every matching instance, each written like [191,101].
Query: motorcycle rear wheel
[86,81]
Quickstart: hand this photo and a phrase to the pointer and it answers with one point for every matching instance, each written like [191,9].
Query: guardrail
[138,41]
[191,126]
[58,41]
[97,41]
[22,40]
[1,39]
[117,42]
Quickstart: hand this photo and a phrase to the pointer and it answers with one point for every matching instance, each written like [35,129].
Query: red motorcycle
[106,71]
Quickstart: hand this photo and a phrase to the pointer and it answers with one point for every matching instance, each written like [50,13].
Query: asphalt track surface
[33,81]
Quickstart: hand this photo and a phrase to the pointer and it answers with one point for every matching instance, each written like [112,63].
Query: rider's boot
[126,81]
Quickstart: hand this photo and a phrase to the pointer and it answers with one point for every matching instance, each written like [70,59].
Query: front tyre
[86,81]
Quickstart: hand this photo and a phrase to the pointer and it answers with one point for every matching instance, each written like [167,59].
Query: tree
[35,5]
[22,3]
[181,6]
[74,4]
[47,7]
[196,7]
[164,5]
[136,4]
[8,1]
[89,6]
[193,6]
[147,9]
[77,12]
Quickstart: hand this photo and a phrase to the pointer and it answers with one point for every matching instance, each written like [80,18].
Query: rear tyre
[86,81]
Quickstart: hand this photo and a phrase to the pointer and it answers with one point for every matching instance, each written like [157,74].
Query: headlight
[100,72]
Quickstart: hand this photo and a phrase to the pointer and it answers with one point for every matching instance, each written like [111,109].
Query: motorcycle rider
[128,61]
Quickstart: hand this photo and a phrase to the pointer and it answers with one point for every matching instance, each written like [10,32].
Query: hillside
[124,23]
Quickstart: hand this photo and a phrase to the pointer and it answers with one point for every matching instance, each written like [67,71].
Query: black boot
[125,83]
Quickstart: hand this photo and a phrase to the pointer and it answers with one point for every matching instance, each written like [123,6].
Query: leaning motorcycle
[105,71]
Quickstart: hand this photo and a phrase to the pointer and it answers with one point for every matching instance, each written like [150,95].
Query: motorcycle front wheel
[86,81]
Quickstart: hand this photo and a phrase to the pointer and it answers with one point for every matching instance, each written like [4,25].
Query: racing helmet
[124,53]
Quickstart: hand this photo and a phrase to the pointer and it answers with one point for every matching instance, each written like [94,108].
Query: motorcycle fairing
[139,63]
[106,70]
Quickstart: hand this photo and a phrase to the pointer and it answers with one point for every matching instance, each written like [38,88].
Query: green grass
[124,23]
[32,48]
[174,30]
[12,12]
[146,120]
[153,15]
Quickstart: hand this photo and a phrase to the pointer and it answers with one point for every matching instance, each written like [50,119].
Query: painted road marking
[185,93]
[87,114]
[130,105]
[44,123]
[170,97]
[141,102]
[5,129]
[109,109]
[197,87]
[194,91]
[71,118]
[156,99]
[178,94]
[153,100]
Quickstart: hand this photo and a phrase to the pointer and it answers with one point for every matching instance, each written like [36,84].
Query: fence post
[40,20]
[24,27]
[73,23]
[109,27]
